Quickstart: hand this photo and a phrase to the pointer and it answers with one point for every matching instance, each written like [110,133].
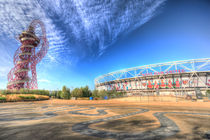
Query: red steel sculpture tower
[30,53]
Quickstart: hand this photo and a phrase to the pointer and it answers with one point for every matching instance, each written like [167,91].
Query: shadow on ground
[56,131]
[130,124]
[45,131]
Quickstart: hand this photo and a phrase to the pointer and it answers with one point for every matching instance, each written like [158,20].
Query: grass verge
[22,97]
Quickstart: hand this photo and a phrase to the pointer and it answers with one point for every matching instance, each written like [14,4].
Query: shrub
[68,93]
[27,97]
[103,93]
[57,94]
[5,92]
[39,92]
[95,93]
[208,93]
[26,91]
[115,94]
[53,94]
[2,98]
[110,94]
[23,91]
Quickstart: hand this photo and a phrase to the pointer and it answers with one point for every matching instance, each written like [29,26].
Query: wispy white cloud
[17,15]
[77,28]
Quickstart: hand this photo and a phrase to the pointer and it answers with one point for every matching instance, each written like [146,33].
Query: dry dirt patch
[60,126]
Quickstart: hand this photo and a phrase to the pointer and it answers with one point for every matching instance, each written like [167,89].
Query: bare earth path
[111,119]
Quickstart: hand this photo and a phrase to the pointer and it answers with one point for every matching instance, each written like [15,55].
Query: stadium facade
[180,77]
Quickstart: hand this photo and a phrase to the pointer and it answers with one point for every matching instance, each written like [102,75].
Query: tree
[68,93]
[59,93]
[65,93]
[77,92]
[95,93]
[86,91]
[53,94]
[103,93]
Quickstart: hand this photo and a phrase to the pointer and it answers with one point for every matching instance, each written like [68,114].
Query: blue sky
[88,39]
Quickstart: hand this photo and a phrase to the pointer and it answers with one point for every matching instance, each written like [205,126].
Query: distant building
[180,77]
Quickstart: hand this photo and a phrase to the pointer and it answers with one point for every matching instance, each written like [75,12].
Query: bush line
[25,91]
[65,93]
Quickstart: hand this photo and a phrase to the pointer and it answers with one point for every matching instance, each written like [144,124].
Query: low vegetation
[109,94]
[27,97]
[23,95]
[85,93]
[208,93]
[25,91]
[2,98]
[77,93]
[61,94]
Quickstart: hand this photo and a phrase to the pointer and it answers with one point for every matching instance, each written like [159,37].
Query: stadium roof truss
[187,66]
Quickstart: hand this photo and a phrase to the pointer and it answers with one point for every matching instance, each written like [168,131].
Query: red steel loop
[27,56]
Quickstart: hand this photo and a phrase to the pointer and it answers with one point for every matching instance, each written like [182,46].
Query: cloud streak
[77,29]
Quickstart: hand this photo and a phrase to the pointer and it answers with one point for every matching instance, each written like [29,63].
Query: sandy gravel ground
[104,119]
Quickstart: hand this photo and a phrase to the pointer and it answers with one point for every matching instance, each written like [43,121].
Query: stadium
[188,77]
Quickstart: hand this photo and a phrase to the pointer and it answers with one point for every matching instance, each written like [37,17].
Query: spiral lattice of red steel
[27,56]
